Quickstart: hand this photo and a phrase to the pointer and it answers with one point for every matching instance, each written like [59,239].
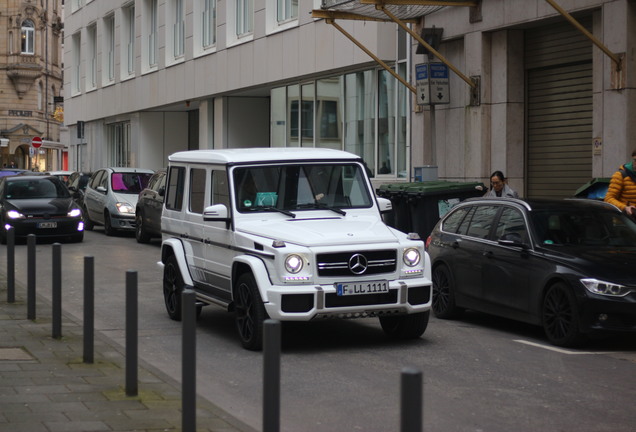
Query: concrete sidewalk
[46,386]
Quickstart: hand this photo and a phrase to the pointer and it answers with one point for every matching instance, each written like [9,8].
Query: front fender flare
[258,269]
[174,247]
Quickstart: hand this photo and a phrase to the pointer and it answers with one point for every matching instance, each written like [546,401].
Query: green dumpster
[400,217]
[429,201]
[594,189]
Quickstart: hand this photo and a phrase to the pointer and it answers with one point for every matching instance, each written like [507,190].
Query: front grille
[337,264]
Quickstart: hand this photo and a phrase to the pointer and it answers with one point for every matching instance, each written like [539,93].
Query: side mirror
[216,213]
[512,239]
[101,189]
[385,205]
[162,191]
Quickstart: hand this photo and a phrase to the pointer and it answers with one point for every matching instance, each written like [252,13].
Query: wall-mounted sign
[20,113]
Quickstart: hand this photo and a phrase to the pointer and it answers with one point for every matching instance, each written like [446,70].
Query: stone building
[31,97]
[541,102]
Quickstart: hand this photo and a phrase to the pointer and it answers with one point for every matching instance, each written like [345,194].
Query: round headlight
[293,263]
[411,257]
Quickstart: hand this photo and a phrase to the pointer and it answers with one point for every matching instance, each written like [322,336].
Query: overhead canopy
[403,10]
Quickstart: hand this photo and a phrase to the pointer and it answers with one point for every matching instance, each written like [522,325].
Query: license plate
[47,225]
[359,288]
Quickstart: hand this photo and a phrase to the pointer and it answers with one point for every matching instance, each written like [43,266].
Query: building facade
[146,78]
[31,92]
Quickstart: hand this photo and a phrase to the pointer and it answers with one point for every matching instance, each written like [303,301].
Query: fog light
[603,317]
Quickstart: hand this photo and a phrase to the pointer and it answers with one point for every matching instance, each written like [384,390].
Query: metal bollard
[271,375]
[89,309]
[188,361]
[10,265]
[31,276]
[411,404]
[131,333]
[56,294]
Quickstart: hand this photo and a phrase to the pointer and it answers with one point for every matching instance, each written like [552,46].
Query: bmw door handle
[487,254]
[455,244]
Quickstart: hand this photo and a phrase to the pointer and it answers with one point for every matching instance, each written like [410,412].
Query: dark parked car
[40,205]
[149,205]
[77,185]
[567,265]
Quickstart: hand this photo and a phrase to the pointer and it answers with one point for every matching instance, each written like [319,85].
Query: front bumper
[124,223]
[609,314]
[64,227]
[307,302]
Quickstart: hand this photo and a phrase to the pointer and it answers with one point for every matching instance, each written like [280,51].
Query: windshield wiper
[318,205]
[285,212]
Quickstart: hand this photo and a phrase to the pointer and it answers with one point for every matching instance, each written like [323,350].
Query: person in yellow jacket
[622,188]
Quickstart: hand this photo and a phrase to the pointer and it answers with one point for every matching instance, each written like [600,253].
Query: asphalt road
[480,374]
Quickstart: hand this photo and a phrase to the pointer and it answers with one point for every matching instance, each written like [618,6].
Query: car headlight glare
[411,257]
[596,286]
[74,212]
[125,208]
[293,263]
[14,214]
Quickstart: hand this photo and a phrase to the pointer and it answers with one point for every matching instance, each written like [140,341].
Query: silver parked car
[111,196]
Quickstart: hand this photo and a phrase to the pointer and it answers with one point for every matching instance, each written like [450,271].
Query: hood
[40,206]
[126,198]
[321,231]
[612,264]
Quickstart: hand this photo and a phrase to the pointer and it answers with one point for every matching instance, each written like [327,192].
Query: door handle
[487,254]
[455,244]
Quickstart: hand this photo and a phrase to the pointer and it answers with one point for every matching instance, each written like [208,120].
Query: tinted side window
[453,220]
[197,190]
[174,195]
[482,220]
[465,223]
[220,190]
[511,226]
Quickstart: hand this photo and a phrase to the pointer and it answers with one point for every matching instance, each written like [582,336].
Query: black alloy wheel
[172,288]
[560,316]
[444,305]
[250,312]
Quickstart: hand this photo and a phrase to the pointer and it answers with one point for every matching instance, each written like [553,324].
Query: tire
[250,312]
[88,223]
[108,227]
[77,238]
[172,288]
[444,306]
[140,233]
[560,317]
[405,326]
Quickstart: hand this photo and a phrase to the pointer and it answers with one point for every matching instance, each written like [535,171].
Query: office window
[91,75]
[244,17]
[75,79]
[178,29]
[286,10]
[209,23]
[149,28]
[119,144]
[108,63]
[28,37]
[128,41]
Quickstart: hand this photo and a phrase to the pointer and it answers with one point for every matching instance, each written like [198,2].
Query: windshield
[298,187]
[131,183]
[594,227]
[30,189]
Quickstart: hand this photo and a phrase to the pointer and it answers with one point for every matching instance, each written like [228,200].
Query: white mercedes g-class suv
[290,234]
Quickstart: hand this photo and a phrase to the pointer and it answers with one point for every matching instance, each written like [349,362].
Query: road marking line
[559,350]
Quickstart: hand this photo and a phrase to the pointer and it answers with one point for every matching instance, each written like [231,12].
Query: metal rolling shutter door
[558,60]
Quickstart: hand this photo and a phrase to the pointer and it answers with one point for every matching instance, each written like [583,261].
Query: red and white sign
[36,142]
